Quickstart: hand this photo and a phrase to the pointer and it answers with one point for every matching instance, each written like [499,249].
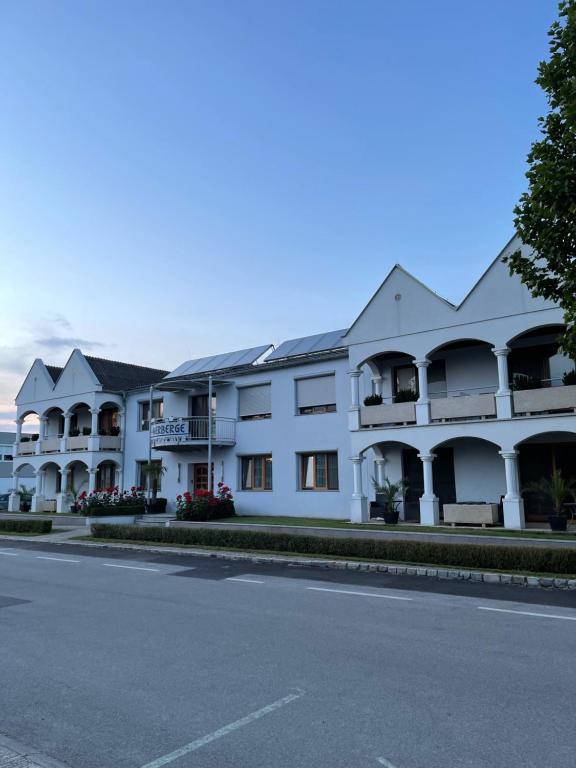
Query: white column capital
[92,471]
[427,457]
[508,454]
[19,420]
[95,410]
[501,351]
[43,419]
[424,363]
[356,459]
[355,372]
[380,461]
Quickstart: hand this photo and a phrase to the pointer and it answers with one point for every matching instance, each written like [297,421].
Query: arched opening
[535,361]
[109,420]
[78,478]
[48,486]
[460,368]
[394,377]
[80,420]
[24,483]
[396,462]
[538,457]
[52,430]
[30,425]
[107,475]
[469,473]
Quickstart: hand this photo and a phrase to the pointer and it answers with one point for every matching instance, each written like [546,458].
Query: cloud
[61,342]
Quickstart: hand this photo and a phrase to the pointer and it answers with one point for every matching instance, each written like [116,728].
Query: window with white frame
[254,402]
[144,413]
[319,471]
[257,473]
[316,394]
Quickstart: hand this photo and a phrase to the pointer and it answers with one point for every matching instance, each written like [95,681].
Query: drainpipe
[210,478]
[149,476]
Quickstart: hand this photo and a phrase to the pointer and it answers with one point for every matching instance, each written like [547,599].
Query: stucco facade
[470,406]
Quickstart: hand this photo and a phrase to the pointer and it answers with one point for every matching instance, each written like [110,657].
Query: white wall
[479,471]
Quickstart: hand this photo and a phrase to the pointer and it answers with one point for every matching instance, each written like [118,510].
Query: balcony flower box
[545,399]
[396,413]
[463,407]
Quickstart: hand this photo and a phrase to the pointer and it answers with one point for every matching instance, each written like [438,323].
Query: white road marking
[130,567]
[362,594]
[58,559]
[9,554]
[384,762]
[224,731]
[246,581]
[528,613]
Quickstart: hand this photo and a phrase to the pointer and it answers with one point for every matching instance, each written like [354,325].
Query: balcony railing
[544,400]
[57,444]
[178,433]
[463,407]
[395,413]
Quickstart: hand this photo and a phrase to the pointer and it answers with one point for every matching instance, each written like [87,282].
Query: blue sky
[188,177]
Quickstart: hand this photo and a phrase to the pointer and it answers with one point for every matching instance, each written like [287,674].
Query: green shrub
[569,378]
[26,526]
[405,396]
[373,400]
[466,556]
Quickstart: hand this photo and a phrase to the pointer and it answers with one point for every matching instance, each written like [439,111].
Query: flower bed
[111,502]
[205,505]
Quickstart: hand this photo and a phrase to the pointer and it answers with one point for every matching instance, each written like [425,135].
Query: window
[7,457]
[405,378]
[257,473]
[319,471]
[255,402]
[142,476]
[316,394]
[144,410]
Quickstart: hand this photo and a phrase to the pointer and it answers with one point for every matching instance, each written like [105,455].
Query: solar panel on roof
[219,362]
[321,342]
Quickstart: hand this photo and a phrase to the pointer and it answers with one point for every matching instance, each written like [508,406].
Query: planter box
[465,406]
[112,520]
[475,514]
[396,413]
[545,399]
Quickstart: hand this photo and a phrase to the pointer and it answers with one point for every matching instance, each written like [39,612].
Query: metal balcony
[194,431]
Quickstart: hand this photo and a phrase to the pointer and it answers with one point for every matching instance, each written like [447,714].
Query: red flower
[179,498]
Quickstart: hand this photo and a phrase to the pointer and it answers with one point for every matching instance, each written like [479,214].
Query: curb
[395,569]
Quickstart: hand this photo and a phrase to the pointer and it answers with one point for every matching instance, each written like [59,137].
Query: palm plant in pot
[557,490]
[153,471]
[25,494]
[390,496]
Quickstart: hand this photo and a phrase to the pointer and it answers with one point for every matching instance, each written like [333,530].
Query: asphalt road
[129,660]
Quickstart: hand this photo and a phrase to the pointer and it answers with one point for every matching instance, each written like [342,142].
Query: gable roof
[54,371]
[115,375]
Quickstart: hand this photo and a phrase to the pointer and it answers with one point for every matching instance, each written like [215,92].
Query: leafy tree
[545,217]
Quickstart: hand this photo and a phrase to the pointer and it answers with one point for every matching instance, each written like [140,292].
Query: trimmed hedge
[466,556]
[26,526]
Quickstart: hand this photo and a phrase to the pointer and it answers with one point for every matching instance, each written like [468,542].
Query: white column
[429,506]
[41,433]
[14,498]
[38,497]
[92,480]
[62,498]
[380,464]
[377,385]
[18,429]
[354,410]
[119,478]
[359,504]
[513,503]
[94,423]
[503,395]
[63,444]
[423,403]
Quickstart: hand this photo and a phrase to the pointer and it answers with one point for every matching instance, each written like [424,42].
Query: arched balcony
[27,434]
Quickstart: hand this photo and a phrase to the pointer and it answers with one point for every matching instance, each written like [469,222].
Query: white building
[290,433]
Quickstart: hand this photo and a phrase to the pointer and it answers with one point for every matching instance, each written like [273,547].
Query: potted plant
[86,430]
[557,490]
[390,495]
[406,396]
[569,378]
[153,471]
[373,400]
[74,432]
[25,494]
[103,432]
[114,431]
[521,381]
